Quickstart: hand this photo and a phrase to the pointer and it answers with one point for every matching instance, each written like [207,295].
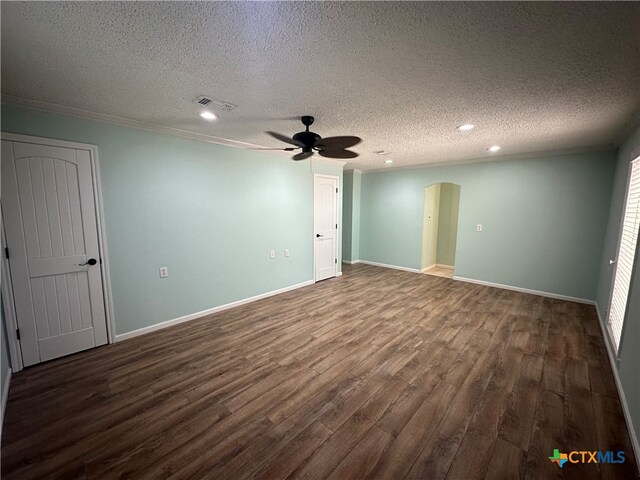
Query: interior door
[325,215]
[50,220]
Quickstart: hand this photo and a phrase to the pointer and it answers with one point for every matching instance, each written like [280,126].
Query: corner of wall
[355,232]
[626,410]
[626,363]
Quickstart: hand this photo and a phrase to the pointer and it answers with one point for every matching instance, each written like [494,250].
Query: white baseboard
[350,262]
[526,290]
[384,265]
[5,397]
[339,274]
[437,265]
[204,313]
[613,360]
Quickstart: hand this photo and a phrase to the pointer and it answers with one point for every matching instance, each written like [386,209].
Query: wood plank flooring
[378,374]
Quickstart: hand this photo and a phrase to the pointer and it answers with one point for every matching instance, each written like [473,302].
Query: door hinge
[18,333]
[6,252]
[336,190]
[336,225]
[336,261]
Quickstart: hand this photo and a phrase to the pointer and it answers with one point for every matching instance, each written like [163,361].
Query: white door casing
[51,226]
[325,219]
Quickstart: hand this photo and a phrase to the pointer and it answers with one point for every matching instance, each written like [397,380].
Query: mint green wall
[208,212]
[347,216]
[351,215]
[544,219]
[448,224]
[629,365]
[355,236]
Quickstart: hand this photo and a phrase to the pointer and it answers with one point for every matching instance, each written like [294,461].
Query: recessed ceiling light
[388,161]
[466,127]
[207,115]
[495,148]
[382,152]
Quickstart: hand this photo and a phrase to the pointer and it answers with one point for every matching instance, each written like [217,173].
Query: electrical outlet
[479,227]
[286,252]
[164,272]
[272,254]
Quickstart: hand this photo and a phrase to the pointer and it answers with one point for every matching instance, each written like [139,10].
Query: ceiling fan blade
[337,143]
[302,155]
[287,149]
[285,139]
[338,153]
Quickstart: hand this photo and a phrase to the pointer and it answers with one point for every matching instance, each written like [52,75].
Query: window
[626,254]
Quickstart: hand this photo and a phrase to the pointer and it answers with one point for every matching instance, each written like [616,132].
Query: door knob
[318,235]
[91,261]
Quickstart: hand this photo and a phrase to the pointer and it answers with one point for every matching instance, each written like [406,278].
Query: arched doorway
[440,229]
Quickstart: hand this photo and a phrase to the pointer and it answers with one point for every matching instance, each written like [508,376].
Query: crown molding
[501,158]
[353,170]
[126,122]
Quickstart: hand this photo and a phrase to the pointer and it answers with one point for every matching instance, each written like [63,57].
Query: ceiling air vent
[202,100]
[214,104]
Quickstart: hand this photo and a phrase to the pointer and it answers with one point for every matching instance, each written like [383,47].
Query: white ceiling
[533,77]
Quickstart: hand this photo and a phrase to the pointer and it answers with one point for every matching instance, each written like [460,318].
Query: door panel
[325,221]
[51,230]
[42,267]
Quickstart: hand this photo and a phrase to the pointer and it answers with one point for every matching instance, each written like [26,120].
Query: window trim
[635,156]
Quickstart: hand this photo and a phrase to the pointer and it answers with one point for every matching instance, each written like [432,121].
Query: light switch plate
[286,252]
[272,254]
[164,272]
[479,227]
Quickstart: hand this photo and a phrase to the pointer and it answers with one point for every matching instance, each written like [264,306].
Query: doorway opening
[440,229]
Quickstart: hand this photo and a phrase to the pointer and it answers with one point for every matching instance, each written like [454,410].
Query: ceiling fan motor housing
[307,139]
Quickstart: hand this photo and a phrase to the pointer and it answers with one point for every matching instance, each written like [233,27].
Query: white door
[50,220]
[325,219]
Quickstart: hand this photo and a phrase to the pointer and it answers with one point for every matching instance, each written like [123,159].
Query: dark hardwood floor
[378,374]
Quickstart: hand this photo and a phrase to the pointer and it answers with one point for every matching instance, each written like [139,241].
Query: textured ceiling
[533,77]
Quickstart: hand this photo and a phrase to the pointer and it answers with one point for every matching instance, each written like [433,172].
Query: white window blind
[626,254]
